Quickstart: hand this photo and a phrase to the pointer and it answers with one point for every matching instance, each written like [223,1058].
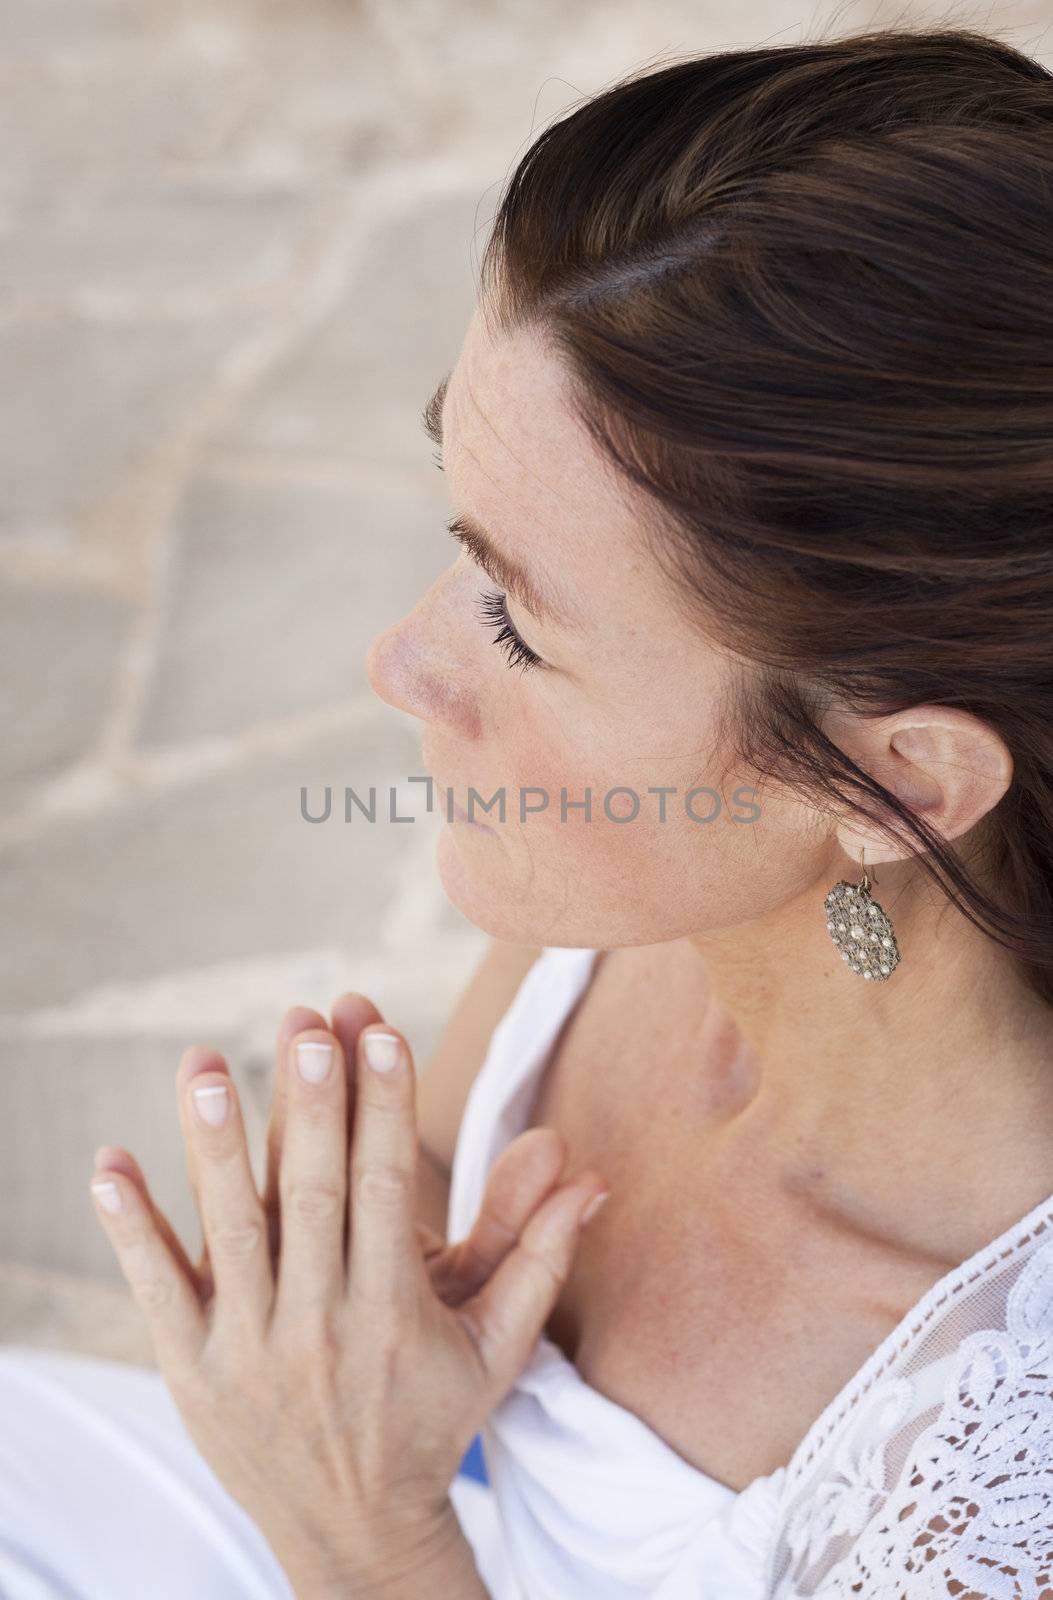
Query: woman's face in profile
[626,695]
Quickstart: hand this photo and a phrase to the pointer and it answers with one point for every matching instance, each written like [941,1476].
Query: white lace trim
[928,1308]
[968,1512]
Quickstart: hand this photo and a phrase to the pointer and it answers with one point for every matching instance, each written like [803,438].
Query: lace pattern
[942,1484]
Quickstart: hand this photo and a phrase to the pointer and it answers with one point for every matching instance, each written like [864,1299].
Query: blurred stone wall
[239,247]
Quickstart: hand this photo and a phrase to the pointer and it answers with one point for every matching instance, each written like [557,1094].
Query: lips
[462,816]
[454,813]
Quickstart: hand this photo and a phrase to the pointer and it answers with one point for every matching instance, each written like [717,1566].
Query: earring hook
[865,885]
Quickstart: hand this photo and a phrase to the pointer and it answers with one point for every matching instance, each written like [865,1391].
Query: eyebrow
[539,599]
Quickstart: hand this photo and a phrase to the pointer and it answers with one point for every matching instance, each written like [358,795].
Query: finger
[523,1175]
[295,1020]
[112,1158]
[506,1317]
[385,1266]
[202,1061]
[313,1179]
[232,1219]
[159,1286]
[351,1013]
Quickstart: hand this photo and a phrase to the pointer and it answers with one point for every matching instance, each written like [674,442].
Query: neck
[892,1103]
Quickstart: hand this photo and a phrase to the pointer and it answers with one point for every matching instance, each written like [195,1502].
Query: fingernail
[593,1206]
[382,1051]
[108,1195]
[211,1100]
[314,1058]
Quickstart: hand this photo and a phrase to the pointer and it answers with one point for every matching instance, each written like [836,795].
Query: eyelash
[493,611]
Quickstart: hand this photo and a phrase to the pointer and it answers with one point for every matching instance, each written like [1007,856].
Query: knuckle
[387,1102]
[308,1336]
[233,1365]
[383,1187]
[543,1260]
[221,1150]
[312,1201]
[315,1110]
[236,1240]
[152,1293]
[150,1289]
[495,1224]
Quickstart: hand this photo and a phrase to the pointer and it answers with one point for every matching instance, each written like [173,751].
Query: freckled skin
[630,700]
[862,1072]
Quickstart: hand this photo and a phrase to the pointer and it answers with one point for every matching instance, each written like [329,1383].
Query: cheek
[616,765]
[643,880]
[695,845]
[599,882]
[530,744]
[551,764]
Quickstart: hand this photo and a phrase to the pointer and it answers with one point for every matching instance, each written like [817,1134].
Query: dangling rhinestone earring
[860,929]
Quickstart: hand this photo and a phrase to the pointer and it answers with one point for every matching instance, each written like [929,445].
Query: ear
[945,764]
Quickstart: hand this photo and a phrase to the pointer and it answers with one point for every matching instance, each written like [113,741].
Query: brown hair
[804,299]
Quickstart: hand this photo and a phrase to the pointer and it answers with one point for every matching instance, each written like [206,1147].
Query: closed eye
[493,610]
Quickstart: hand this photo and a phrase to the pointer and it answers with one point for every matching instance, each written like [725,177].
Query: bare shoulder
[446,1077]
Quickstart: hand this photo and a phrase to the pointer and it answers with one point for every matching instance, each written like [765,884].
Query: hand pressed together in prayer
[332,1356]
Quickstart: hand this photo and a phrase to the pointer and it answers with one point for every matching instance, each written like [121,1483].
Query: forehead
[520,461]
[507,402]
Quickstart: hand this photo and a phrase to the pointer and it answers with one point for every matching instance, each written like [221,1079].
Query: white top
[936,1457]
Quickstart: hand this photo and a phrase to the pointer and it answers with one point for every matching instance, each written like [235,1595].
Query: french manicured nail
[108,1195]
[382,1051]
[593,1206]
[314,1058]
[212,1100]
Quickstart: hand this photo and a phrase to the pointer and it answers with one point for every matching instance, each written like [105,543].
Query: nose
[388,667]
[375,663]
[413,666]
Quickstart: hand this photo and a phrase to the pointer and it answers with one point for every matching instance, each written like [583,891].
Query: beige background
[240,245]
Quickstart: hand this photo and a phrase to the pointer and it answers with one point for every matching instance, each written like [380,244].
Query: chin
[468,871]
[464,875]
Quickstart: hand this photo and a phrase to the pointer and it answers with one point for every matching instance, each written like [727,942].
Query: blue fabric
[473,1464]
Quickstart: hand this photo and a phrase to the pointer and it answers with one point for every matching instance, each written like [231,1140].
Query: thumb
[506,1317]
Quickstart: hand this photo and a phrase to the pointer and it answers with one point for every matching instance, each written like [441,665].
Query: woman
[752,431]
